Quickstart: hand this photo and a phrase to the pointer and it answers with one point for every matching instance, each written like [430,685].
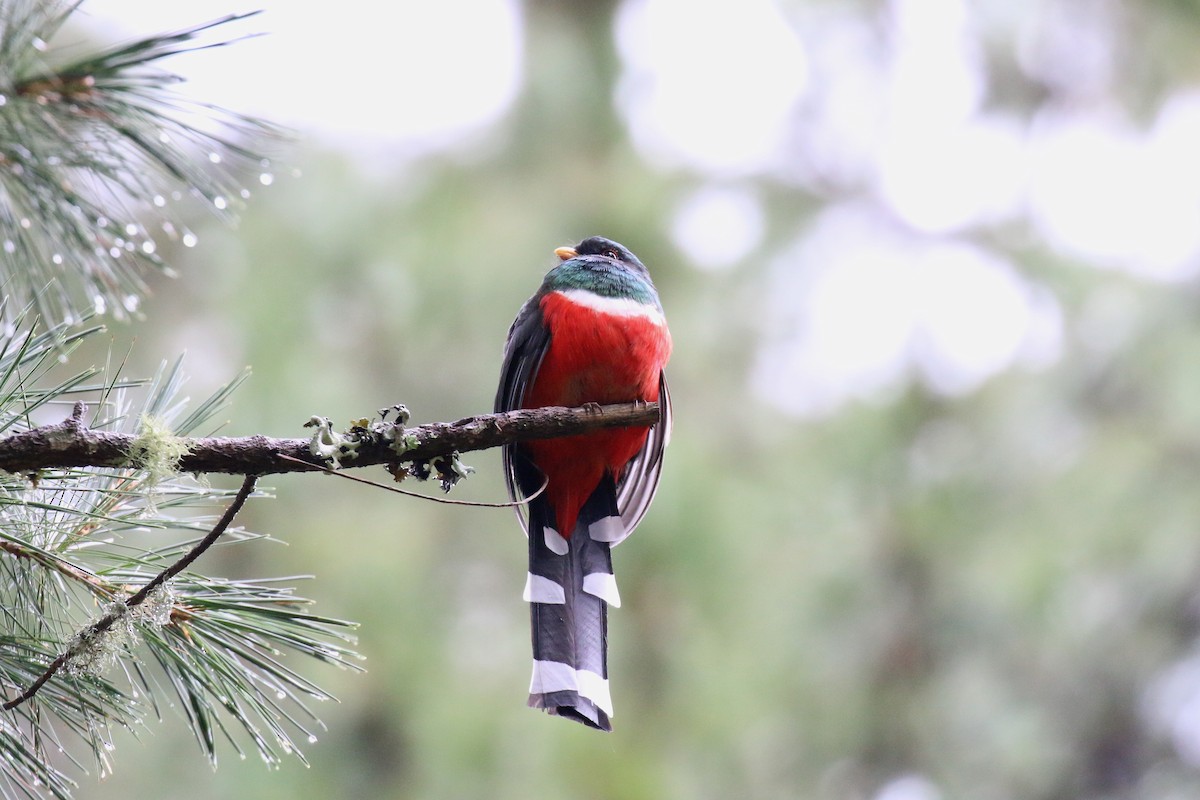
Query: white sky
[883,285]
[414,75]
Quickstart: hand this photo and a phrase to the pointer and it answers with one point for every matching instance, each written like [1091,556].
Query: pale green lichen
[402,442]
[329,445]
[393,432]
[157,607]
[450,469]
[157,450]
[458,467]
[90,651]
[402,414]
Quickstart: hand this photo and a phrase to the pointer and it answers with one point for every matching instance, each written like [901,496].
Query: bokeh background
[930,522]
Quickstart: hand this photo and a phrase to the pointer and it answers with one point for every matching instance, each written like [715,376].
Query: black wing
[528,340]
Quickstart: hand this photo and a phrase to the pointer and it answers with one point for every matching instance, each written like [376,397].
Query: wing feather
[528,340]
[638,484]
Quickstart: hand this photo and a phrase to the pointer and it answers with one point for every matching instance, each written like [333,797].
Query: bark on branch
[71,443]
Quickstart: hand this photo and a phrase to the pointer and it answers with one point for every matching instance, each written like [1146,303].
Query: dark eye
[611,254]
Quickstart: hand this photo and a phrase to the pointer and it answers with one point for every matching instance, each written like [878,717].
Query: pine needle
[96,156]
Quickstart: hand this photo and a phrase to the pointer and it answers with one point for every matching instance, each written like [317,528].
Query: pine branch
[100,162]
[71,443]
[216,647]
[102,625]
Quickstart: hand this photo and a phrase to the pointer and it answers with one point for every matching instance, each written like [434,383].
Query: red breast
[600,352]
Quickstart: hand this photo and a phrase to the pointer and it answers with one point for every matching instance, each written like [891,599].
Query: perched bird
[593,333]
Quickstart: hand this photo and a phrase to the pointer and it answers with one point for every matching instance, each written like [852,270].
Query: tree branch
[103,624]
[71,443]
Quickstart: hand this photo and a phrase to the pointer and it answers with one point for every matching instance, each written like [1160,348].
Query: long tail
[569,589]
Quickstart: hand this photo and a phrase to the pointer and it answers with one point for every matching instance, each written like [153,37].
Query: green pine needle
[97,156]
[93,153]
[222,651]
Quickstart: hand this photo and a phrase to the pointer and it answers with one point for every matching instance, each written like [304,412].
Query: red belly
[593,357]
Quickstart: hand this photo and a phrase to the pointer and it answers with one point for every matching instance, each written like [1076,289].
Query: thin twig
[108,620]
[418,495]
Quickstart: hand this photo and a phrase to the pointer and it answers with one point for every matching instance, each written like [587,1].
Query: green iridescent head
[604,267]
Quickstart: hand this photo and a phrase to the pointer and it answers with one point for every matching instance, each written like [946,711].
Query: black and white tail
[569,589]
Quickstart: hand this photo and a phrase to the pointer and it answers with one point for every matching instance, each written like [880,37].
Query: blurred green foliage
[984,591]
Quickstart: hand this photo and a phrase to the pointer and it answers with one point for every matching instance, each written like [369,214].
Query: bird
[593,333]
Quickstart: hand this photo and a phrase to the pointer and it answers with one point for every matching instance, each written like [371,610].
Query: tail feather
[569,594]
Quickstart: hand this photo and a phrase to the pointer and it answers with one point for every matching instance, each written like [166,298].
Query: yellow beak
[565,252]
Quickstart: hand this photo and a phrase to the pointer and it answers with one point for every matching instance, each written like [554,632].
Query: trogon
[593,333]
